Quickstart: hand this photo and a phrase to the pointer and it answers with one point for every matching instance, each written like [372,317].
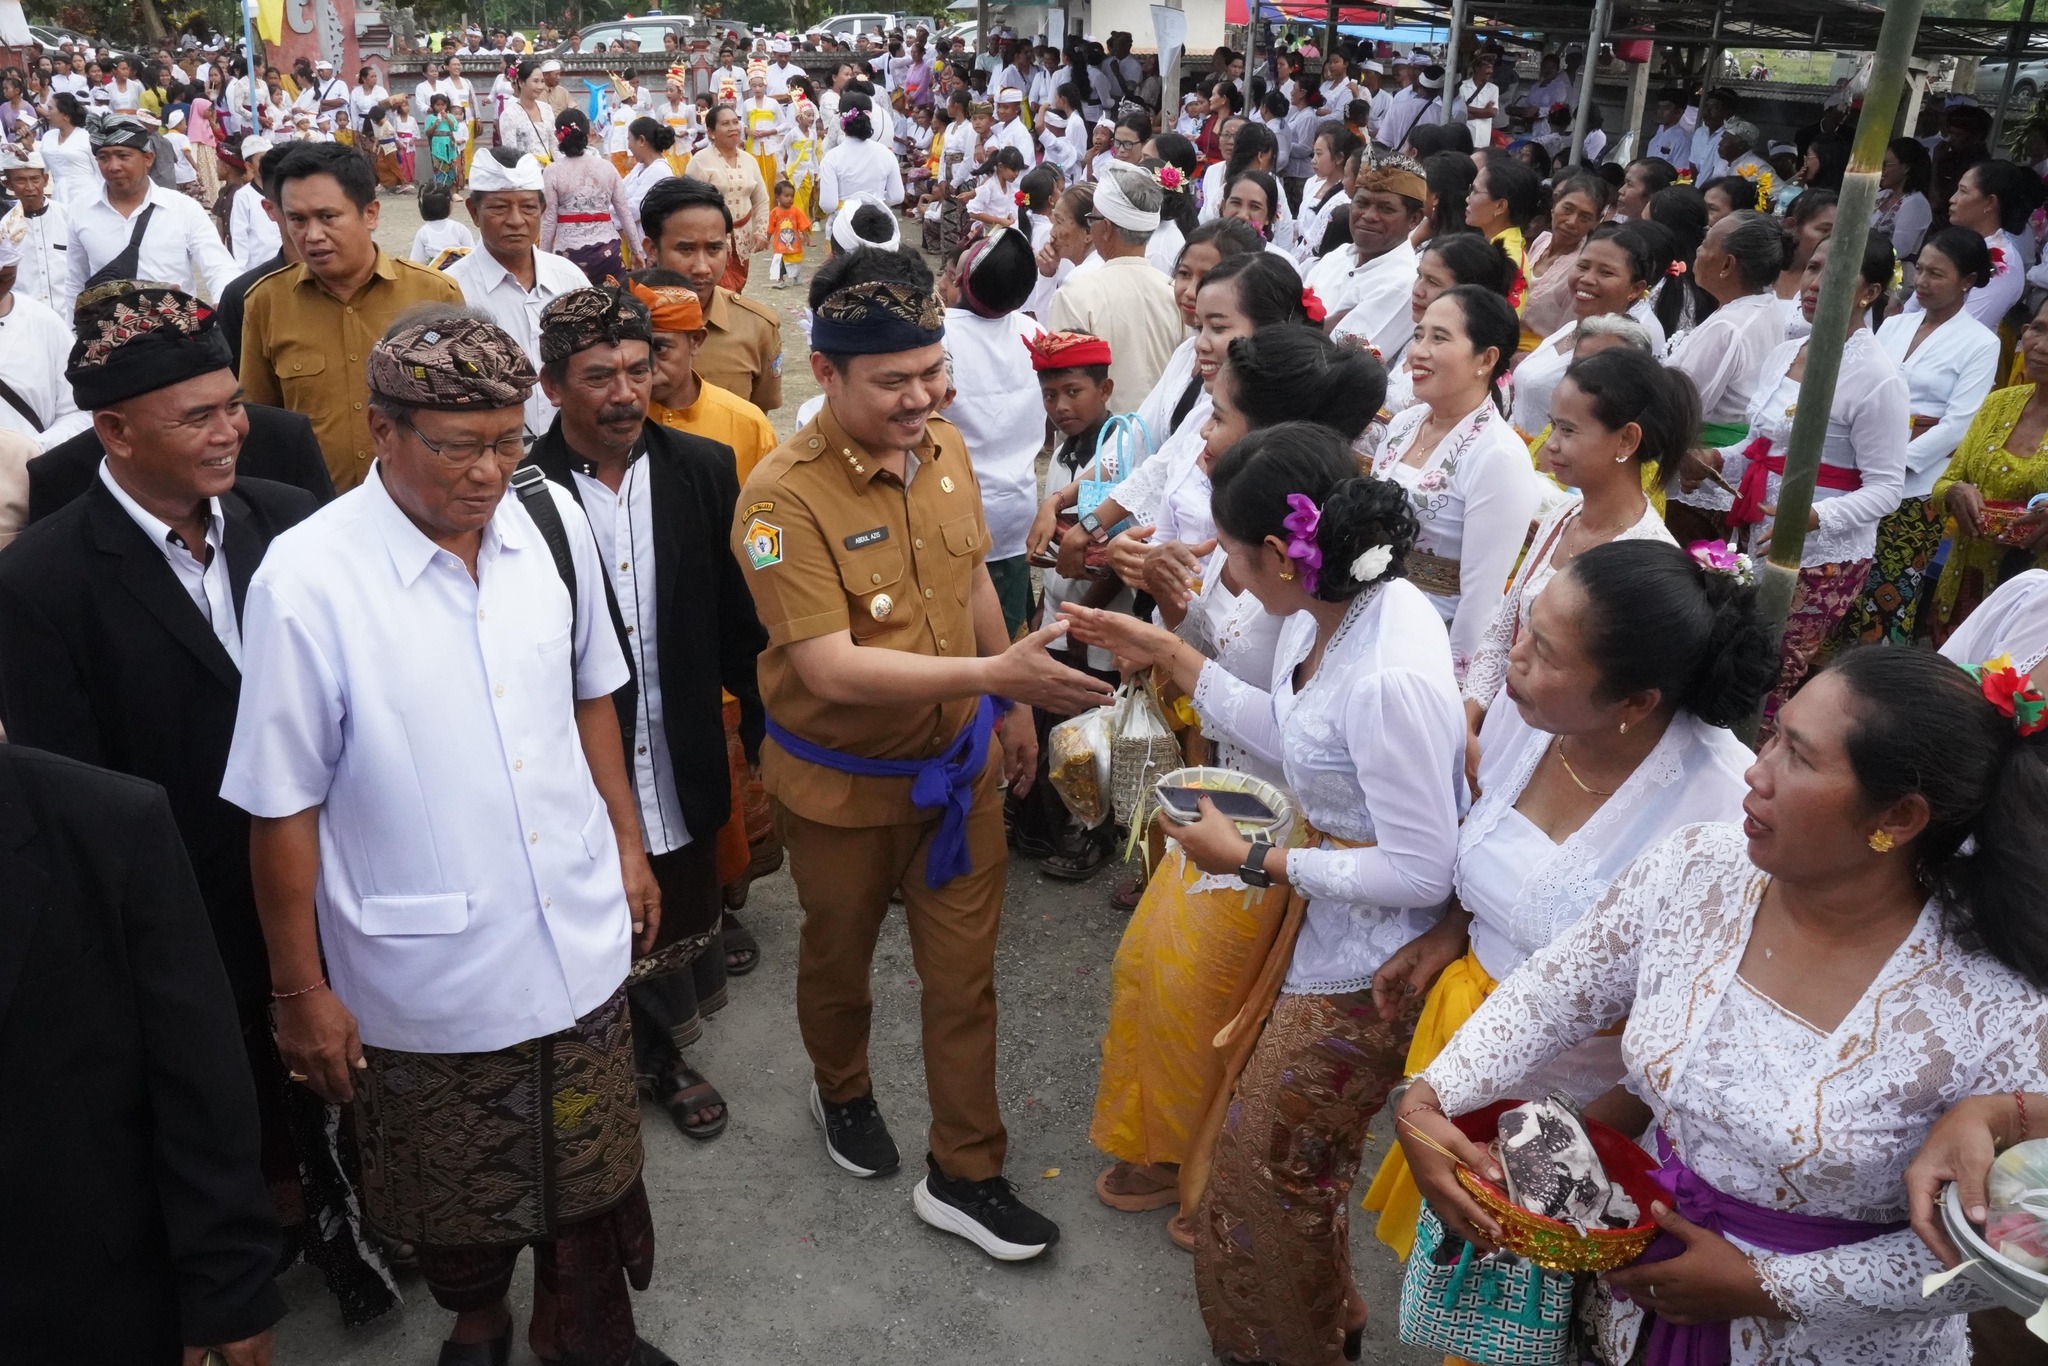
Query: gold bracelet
[287,995]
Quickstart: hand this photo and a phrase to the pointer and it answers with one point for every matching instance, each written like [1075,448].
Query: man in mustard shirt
[307,330]
[887,666]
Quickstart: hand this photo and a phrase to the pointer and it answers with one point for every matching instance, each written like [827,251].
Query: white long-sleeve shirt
[858,166]
[50,261]
[35,344]
[1867,432]
[1947,377]
[1373,748]
[252,229]
[1988,303]
[179,245]
[1725,354]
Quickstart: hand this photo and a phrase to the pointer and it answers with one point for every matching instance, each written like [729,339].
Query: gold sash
[1433,573]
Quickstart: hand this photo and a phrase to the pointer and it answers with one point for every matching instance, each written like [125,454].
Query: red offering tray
[1550,1243]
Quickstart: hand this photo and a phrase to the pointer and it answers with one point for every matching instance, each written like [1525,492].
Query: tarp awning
[1301,11]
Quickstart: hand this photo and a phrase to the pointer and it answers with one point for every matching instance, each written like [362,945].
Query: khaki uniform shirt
[829,541]
[306,350]
[742,349]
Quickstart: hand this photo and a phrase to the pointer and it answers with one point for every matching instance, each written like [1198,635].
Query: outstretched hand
[1026,673]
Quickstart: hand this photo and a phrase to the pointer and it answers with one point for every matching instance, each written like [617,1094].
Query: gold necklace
[1558,745]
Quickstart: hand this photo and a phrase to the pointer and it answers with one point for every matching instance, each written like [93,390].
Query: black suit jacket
[133,1215]
[105,658]
[707,635]
[280,447]
[228,312]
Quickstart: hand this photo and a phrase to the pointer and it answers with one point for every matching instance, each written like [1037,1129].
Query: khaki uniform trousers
[844,878]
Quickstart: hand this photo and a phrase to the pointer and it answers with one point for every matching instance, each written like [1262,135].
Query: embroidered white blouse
[1867,431]
[1759,1103]
[2012,621]
[1164,474]
[1374,750]
[1524,890]
[1724,356]
[1489,667]
[1989,303]
[1156,412]
[1239,634]
[1475,496]
[1947,377]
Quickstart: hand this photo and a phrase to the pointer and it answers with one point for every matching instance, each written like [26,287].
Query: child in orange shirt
[787,229]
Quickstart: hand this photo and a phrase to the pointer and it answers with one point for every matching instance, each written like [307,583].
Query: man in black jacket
[133,1221]
[279,447]
[659,503]
[120,645]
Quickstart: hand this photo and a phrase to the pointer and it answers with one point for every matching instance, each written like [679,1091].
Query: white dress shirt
[1947,378]
[1373,298]
[1485,96]
[486,284]
[1016,133]
[1673,143]
[622,524]
[470,896]
[35,345]
[180,246]
[206,584]
[50,265]
[1000,415]
[251,228]
[1706,154]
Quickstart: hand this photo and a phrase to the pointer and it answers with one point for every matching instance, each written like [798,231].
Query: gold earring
[1288,575]
[1882,841]
[1624,728]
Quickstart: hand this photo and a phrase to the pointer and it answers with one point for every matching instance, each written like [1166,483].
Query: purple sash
[1774,1230]
[946,781]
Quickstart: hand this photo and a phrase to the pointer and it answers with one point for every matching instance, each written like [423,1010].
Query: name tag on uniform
[864,539]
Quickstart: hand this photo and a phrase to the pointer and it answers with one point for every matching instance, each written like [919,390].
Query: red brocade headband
[1067,350]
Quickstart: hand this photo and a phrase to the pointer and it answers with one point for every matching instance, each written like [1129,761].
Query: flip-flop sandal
[1133,1201]
[1126,895]
[1180,1231]
[689,1095]
[742,950]
[1078,861]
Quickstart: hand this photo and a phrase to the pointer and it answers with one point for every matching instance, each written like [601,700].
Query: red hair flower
[2013,693]
[1519,290]
[1998,261]
[1170,178]
[1676,269]
[1021,198]
[1313,306]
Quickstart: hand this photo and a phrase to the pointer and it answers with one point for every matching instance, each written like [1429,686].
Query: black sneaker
[855,1136]
[985,1213]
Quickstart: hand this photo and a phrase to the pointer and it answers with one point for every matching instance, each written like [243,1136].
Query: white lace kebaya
[1762,1105]
[1524,890]
[1373,749]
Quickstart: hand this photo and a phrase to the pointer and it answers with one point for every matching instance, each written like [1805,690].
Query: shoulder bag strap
[532,487]
[20,405]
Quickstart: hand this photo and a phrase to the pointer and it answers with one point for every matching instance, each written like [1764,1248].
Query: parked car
[2028,82]
[850,26]
[53,38]
[649,29]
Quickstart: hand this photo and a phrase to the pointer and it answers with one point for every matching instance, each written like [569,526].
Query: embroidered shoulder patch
[764,543]
[756,509]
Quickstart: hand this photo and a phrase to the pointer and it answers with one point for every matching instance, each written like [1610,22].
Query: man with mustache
[659,502]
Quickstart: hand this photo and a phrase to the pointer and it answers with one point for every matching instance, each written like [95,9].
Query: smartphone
[1184,804]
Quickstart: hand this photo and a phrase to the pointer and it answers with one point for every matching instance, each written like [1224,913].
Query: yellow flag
[270,20]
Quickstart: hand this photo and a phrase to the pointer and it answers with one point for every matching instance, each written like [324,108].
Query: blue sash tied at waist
[945,781]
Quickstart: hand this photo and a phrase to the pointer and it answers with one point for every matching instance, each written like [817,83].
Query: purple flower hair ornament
[1301,524]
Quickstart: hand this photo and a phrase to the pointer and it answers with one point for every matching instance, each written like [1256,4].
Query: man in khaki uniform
[862,540]
[307,330]
[689,231]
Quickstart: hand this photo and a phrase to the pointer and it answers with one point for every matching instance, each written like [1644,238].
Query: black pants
[668,1007]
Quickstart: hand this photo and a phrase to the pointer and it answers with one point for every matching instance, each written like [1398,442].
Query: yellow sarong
[1454,999]
[1173,985]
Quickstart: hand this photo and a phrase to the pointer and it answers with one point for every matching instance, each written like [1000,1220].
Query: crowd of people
[409,660]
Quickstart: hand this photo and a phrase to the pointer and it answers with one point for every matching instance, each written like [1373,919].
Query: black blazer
[280,447]
[133,1215]
[707,636]
[104,658]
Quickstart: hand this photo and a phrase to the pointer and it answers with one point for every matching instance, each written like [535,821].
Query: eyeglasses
[460,455]
[1129,144]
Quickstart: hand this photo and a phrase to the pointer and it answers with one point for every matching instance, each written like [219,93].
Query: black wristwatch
[1254,873]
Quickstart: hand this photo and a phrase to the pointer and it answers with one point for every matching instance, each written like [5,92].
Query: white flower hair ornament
[1373,563]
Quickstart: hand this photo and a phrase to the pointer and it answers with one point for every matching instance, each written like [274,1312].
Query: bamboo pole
[1594,36]
[1778,574]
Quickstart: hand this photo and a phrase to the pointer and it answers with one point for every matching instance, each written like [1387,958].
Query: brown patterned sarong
[1273,1234]
[483,1149]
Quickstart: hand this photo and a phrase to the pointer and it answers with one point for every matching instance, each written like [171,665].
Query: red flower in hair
[1998,261]
[1021,198]
[1313,306]
[1675,269]
[1519,290]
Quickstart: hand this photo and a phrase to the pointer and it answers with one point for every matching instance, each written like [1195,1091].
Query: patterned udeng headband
[876,317]
[2015,694]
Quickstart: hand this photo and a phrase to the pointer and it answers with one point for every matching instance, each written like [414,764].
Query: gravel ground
[769,1254]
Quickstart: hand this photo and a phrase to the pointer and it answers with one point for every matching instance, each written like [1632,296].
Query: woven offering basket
[1549,1243]
[1281,833]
